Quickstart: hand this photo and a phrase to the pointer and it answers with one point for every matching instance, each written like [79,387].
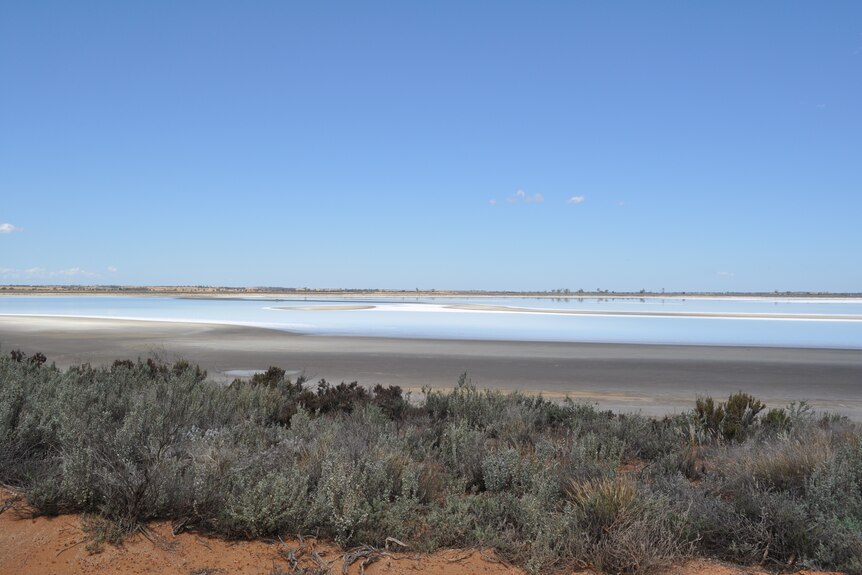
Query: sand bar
[654,379]
[346,307]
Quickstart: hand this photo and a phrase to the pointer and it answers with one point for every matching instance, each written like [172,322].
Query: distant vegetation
[550,485]
[275,291]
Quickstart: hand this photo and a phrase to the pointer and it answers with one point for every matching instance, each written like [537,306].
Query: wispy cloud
[37,273]
[574,200]
[522,197]
[725,274]
[112,269]
[8,228]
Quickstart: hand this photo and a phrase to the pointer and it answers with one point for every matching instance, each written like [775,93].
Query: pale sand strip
[323,307]
[708,314]
[654,379]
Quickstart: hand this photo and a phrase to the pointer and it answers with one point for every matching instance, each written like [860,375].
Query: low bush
[730,420]
[602,502]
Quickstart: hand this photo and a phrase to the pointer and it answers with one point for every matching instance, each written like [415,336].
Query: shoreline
[680,314]
[653,379]
[221,292]
[481,309]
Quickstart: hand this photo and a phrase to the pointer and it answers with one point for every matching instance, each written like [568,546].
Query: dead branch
[395,541]
[64,549]
[156,539]
[367,553]
[462,558]
[203,543]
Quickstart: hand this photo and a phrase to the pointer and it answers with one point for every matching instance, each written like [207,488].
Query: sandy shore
[654,379]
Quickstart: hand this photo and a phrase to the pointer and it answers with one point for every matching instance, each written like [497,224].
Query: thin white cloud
[71,272]
[522,197]
[37,273]
[574,200]
[492,202]
[112,269]
[725,274]
[8,228]
[15,274]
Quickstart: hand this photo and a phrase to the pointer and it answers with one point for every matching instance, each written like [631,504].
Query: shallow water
[763,322]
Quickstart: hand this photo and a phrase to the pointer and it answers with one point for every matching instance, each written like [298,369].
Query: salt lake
[783,322]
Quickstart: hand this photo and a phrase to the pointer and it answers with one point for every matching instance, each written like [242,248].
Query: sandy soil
[58,546]
[45,546]
[653,379]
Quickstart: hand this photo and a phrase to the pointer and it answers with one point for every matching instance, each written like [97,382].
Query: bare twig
[462,558]
[64,549]
[395,541]
[765,554]
[179,526]
[156,539]
[10,502]
[319,560]
[490,558]
[290,554]
[16,503]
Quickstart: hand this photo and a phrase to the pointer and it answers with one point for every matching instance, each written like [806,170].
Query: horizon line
[558,292]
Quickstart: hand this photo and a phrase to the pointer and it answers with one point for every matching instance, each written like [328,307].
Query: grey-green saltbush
[276,502]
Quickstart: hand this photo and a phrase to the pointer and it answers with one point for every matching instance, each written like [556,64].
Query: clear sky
[461,145]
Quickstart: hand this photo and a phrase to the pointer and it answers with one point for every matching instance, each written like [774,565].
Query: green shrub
[730,420]
[776,419]
[709,413]
[741,411]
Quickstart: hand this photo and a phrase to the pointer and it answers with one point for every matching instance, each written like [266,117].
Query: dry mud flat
[58,546]
[652,379]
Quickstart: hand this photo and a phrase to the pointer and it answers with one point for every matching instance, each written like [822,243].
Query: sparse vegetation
[550,485]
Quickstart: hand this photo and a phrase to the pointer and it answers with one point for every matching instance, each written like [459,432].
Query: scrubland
[550,485]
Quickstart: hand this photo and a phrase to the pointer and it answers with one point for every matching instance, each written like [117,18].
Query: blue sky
[460,145]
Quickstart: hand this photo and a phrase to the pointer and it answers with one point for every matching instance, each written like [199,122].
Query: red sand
[58,546]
